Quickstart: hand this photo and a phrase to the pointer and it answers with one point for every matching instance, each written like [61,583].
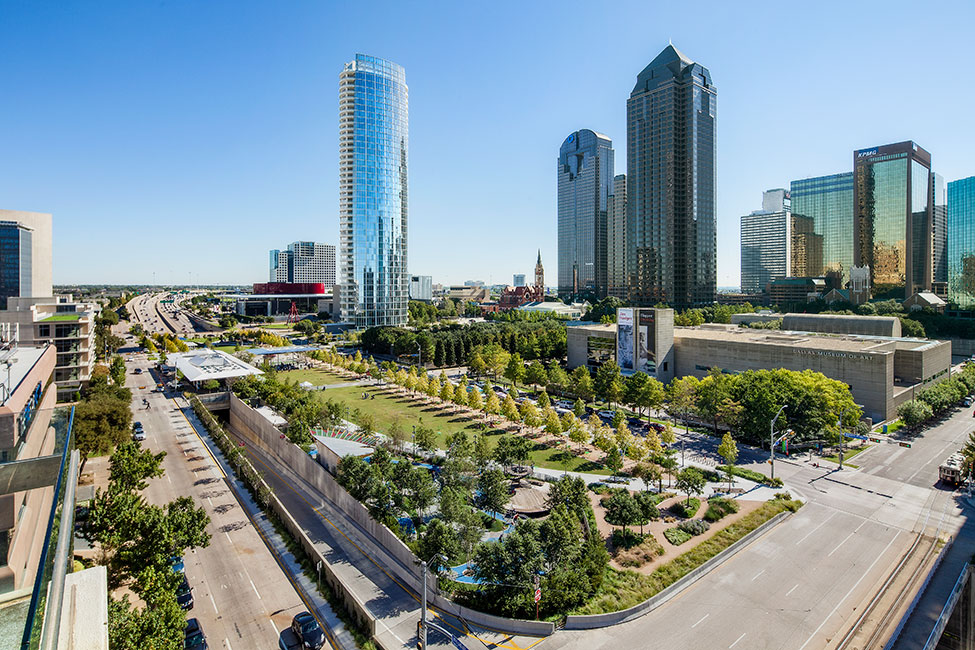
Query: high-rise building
[518,280]
[961,242]
[25,255]
[766,243]
[939,235]
[616,240]
[373,148]
[670,195]
[806,256]
[892,218]
[828,201]
[585,182]
[303,262]
[421,288]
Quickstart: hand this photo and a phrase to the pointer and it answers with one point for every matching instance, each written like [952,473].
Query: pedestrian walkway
[340,636]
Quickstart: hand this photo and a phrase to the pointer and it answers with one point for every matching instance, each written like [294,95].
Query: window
[43,331]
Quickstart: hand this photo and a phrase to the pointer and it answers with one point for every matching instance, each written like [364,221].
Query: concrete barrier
[593,621]
[215,401]
[382,543]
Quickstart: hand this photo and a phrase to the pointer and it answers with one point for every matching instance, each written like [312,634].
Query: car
[176,563]
[609,415]
[184,594]
[656,426]
[194,638]
[564,403]
[968,401]
[139,435]
[138,371]
[137,425]
[498,389]
[634,423]
[308,630]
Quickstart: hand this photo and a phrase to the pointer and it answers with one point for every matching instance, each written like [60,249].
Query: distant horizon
[169,149]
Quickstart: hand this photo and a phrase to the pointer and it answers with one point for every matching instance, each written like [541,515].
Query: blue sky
[187,138]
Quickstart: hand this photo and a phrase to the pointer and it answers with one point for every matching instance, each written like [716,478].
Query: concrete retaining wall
[215,401]
[594,621]
[402,563]
[963,347]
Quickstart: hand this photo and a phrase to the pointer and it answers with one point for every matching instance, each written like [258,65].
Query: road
[156,316]
[242,597]
[803,584]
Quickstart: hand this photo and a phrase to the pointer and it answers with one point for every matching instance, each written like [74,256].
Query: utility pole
[772,440]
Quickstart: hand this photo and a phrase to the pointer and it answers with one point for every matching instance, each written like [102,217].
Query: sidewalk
[339,635]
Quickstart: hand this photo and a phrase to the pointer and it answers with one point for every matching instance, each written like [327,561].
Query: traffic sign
[538,594]
[853,435]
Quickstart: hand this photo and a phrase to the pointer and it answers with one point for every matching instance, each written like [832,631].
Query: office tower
[828,201]
[540,272]
[518,280]
[373,146]
[939,235]
[304,261]
[25,255]
[892,219]
[766,243]
[670,193]
[585,182]
[806,256]
[421,287]
[616,240]
[961,242]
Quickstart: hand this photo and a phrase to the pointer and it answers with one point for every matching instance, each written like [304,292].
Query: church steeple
[539,272]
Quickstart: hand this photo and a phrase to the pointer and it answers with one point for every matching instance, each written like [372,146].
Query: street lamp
[772,440]
[419,356]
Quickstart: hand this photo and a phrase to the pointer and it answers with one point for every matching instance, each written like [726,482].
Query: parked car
[656,426]
[139,435]
[635,423]
[184,594]
[138,371]
[176,562]
[308,630]
[564,403]
[194,639]
[968,401]
[608,415]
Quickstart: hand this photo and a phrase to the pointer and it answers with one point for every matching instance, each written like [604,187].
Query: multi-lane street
[242,596]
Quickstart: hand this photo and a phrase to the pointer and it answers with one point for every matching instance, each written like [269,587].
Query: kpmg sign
[866,153]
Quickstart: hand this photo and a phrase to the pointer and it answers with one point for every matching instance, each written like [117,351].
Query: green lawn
[60,318]
[847,455]
[388,407]
[275,326]
[315,376]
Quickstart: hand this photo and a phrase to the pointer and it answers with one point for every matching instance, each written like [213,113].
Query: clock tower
[540,273]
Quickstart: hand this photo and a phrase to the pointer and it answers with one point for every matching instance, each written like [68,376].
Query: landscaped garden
[315,376]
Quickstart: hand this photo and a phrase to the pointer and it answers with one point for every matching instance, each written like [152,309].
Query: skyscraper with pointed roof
[671,240]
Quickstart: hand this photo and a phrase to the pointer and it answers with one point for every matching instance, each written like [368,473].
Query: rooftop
[807,340]
[63,317]
[201,365]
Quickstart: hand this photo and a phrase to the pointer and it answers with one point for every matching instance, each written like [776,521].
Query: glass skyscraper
[892,218]
[373,148]
[670,166]
[16,267]
[939,234]
[585,183]
[828,200]
[961,242]
[616,240]
[766,242]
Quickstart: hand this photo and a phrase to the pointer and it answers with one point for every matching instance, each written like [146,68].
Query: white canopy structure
[202,365]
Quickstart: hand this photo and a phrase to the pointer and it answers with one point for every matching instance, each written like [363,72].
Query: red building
[514,297]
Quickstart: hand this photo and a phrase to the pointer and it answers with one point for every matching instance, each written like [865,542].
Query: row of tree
[300,407]
[935,400]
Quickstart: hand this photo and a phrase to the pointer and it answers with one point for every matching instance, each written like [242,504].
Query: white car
[609,415]
[139,435]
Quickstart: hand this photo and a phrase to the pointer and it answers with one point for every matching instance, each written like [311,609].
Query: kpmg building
[893,218]
[670,190]
[373,148]
[585,183]
[961,242]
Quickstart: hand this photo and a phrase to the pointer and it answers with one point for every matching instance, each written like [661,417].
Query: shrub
[711,476]
[719,508]
[684,509]
[628,539]
[639,555]
[694,526]
[676,536]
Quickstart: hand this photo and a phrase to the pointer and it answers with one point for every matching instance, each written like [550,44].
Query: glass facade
[961,242]
[671,155]
[939,230]
[892,218]
[765,249]
[585,183]
[828,200]
[373,198]
[15,261]
[616,240]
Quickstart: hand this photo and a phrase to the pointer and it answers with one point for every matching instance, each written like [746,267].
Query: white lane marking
[215,610]
[210,502]
[821,524]
[791,590]
[168,479]
[864,523]
[228,537]
[227,641]
[847,595]
[255,588]
[758,574]
[738,639]
[700,621]
[840,544]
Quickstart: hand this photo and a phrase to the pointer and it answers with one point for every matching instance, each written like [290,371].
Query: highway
[242,597]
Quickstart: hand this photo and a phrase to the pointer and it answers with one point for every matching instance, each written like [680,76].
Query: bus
[952,471]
